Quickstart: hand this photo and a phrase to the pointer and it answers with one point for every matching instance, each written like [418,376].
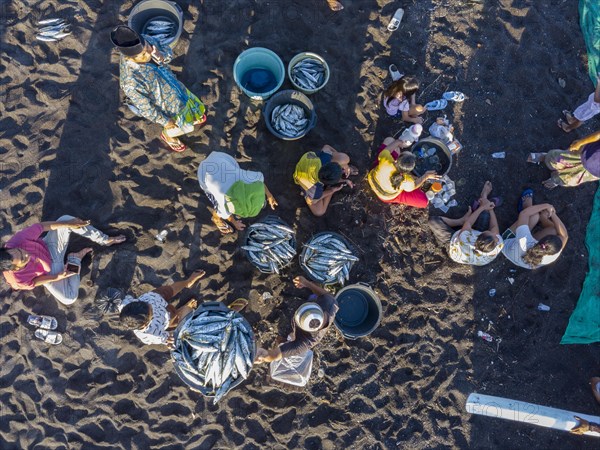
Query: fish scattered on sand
[213,349]
[55,30]
[290,120]
[270,245]
[327,259]
[308,73]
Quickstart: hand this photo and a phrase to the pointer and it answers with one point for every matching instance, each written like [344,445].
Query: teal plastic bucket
[254,61]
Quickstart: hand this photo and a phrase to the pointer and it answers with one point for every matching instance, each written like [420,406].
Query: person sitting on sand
[310,324]
[584,112]
[151,317]
[152,88]
[235,193]
[399,100]
[478,241]
[322,174]
[533,250]
[391,178]
[573,167]
[29,261]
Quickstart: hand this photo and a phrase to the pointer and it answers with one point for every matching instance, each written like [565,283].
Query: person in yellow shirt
[391,179]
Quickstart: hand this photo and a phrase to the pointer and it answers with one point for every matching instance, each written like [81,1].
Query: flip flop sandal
[178,148]
[202,120]
[50,337]
[527,193]
[436,105]
[454,96]
[193,304]
[568,114]
[535,158]
[395,73]
[238,305]
[395,20]
[45,322]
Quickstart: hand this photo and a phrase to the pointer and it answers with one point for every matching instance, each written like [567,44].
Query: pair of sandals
[565,125]
[175,144]
[46,328]
[450,96]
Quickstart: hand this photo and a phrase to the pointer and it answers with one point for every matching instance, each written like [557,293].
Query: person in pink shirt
[27,260]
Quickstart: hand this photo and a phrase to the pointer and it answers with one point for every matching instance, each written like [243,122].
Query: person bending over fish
[152,88]
[310,324]
[235,193]
[153,319]
[28,260]
[322,174]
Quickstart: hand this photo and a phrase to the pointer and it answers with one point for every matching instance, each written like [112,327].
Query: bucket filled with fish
[308,72]
[360,311]
[290,115]
[160,19]
[270,245]
[214,349]
[258,72]
[328,258]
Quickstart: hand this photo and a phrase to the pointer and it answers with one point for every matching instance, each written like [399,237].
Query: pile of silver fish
[327,259]
[160,28]
[308,73]
[270,245]
[214,349]
[289,120]
[52,30]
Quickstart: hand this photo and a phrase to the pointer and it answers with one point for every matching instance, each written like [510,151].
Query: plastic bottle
[430,194]
[161,236]
[485,336]
[436,186]
[499,155]
[492,292]
[411,134]
[543,307]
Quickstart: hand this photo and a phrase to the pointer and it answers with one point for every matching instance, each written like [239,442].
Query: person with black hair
[529,249]
[322,174]
[152,88]
[399,100]
[27,260]
[478,241]
[151,317]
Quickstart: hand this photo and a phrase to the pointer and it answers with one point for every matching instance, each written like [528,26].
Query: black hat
[127,41]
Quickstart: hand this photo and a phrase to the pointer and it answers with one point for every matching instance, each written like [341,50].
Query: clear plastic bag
[293,370]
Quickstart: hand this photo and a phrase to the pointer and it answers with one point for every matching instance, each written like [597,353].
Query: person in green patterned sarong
[579,164]
[152,88]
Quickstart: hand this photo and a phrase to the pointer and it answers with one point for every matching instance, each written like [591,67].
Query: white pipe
[543,416]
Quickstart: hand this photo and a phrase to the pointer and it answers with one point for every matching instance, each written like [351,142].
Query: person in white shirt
[532,249]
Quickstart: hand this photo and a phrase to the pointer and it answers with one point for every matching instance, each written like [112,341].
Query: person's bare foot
[192,304]
[569,116]
[115,240]
[334,5]
[527,201]
[563,126]
[486,190]
[195,277]
[81,253]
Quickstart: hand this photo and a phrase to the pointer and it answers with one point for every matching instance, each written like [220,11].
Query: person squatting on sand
[233,192]
[309,326]
[29,261]
[391,178]
[584,112]
[320,175]
[152,88]
[399,100]
[532,250]
[478,241]
[577,165]
[151,317]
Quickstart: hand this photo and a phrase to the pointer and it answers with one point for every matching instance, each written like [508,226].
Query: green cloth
[589,20]
[584,325]
[246,199]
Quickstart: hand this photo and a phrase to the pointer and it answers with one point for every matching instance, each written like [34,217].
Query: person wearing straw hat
[309,326]
[234,193]
[152,88]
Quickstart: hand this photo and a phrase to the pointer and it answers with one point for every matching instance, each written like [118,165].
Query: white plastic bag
[293,370]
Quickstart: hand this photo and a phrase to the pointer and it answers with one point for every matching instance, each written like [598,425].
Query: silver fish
[49,21]
[46,38]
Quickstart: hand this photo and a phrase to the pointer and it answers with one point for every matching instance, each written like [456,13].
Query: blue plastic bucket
[258,59]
